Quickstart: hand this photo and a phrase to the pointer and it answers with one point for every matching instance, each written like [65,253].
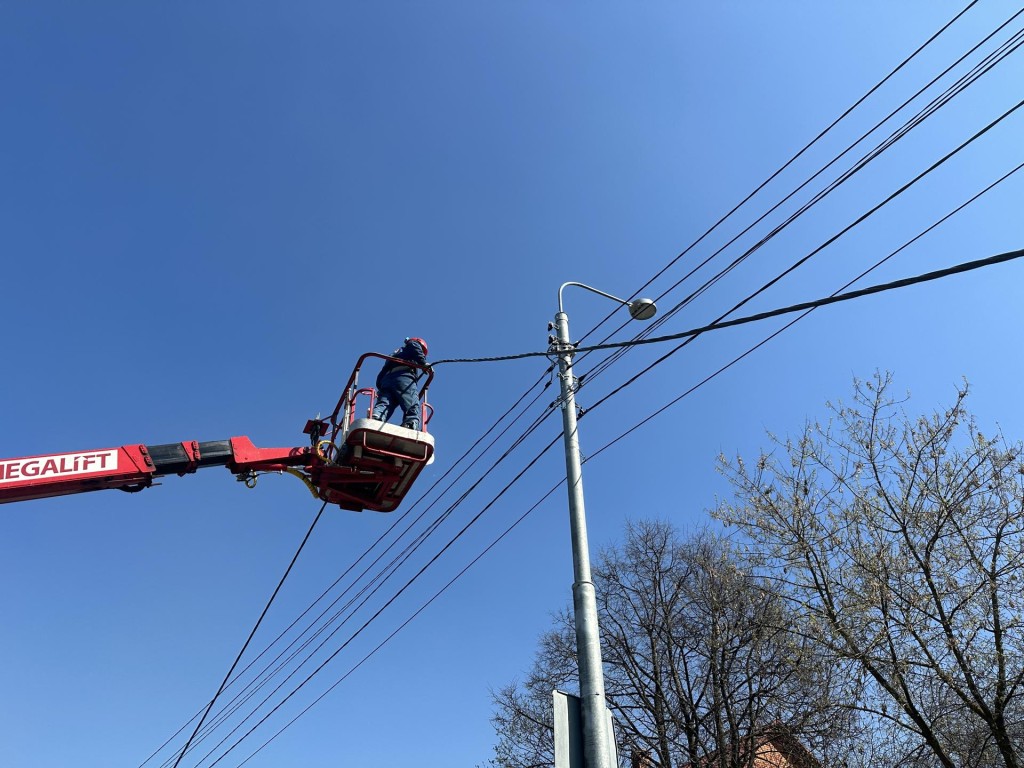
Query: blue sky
[209,210]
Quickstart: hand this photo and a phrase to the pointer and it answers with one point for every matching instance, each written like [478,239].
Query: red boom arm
[133,467]
[356,463]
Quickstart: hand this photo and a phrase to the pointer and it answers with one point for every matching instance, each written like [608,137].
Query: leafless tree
[899,545]
[698,658]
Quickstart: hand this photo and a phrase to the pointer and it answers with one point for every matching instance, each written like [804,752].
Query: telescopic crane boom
[356,463]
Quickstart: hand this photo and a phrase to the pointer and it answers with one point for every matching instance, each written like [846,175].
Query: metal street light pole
[596,736]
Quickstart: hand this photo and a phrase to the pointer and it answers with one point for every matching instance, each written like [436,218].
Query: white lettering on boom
[61,465]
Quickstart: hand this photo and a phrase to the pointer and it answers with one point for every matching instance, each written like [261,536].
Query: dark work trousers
[394,390]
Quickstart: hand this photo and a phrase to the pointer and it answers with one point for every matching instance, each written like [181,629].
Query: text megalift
[59,465]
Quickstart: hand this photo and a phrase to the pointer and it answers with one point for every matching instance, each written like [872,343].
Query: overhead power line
[1004,50]
[795,157]
[717,326]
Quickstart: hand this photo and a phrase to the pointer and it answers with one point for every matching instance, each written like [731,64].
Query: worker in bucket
[396,384]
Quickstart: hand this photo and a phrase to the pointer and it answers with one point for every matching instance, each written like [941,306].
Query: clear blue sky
[208,210]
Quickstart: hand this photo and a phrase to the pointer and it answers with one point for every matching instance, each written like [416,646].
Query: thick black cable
[721,324]
[833,299]
[238,658]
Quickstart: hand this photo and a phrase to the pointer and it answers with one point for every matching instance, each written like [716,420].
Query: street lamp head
[642,309]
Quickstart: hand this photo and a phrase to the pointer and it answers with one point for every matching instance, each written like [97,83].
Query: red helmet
[421,342]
